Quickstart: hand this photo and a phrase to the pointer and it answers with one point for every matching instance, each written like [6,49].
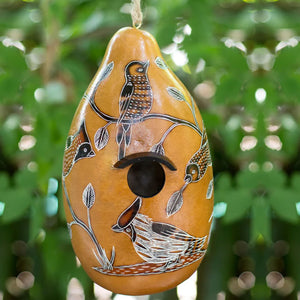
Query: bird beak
[146,64]
[188,178]
[92,153]
[127,216]
[116,228]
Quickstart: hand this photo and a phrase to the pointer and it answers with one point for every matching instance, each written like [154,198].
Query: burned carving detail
[163,247]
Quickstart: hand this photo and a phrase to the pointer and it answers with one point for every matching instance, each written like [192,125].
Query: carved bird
[199,162]
[194,171]
[78,146]
[157,242]
[135,102]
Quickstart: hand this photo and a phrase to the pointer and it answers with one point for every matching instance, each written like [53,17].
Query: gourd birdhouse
[137,173]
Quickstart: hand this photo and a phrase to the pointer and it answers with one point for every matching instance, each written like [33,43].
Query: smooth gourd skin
[137,122]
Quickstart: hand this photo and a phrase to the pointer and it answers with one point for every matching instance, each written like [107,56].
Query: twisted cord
[136,14]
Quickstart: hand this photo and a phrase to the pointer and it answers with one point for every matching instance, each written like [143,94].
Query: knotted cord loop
[136,14]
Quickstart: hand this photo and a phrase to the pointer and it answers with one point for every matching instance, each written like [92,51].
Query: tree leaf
[223,181]
[174,204]
[176,94]
[88,196]
[222,186]
[295,181]
[37,218]
[260,179]
[25,178]
[283,202]
[273,178]
[101,138]
[238,203]
[250,180]
[17,202]
[161,63]
[4,181]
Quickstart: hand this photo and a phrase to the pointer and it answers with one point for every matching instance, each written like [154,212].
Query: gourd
[137,173]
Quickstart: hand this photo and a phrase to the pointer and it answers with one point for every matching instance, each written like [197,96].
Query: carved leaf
[88,196]
[69,141]
[101,138]
[158,148]
[112,257]
[174,204]
[106,71]
[70,230]
[160,63]
[210,189]
[176,94]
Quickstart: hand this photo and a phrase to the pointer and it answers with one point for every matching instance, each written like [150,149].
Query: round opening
[146,178]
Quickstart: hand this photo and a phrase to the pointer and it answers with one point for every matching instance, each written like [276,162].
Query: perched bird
[194,171]
[199,162]
[135,102]
[78,146]
[157,242]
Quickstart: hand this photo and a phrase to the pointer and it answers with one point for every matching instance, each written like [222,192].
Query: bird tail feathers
[123,138]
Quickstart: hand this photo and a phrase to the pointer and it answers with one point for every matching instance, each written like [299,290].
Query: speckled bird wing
[126,95]
[170,231]
[202,157]
[153,246]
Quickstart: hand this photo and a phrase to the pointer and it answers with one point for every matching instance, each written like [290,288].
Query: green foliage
[261,227]
[241,64]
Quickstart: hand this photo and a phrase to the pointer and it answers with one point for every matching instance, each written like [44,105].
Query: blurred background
[241,62]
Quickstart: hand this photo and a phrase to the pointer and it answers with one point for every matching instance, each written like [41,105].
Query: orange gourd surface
[137,173]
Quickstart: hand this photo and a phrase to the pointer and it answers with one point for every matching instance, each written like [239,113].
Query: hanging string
[136,14]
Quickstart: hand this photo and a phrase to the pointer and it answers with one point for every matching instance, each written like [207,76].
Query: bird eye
[146,178]
[194,171]
[85,150]
[140,70]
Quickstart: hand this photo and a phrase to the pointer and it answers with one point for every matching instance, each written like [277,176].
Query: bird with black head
[78,146]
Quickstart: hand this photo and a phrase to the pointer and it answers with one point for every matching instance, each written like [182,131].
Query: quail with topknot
[158,242]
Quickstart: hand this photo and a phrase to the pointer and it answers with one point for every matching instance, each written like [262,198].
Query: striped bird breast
[153,247]
[140,102]
[70,153]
